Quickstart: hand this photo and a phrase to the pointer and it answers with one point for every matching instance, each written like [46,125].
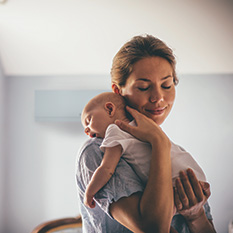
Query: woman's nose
[156,96]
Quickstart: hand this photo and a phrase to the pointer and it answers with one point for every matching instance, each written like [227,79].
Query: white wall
[201,122]
[2,146]
[41,155]
[79,37]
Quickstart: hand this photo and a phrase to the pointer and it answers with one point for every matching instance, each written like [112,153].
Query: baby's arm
[102,174]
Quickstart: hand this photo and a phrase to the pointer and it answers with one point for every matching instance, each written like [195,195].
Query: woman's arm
[190,195]
[150,211]
[102,174]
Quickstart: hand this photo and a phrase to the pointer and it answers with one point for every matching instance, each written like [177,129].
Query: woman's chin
[158,119]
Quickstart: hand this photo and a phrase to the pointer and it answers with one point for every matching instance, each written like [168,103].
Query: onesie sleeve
[115,136]
[182,160]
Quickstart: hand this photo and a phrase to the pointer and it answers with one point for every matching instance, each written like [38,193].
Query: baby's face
[95,122]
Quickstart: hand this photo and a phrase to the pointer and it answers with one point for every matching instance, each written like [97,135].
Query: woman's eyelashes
[166,87]
[146,88]
[167,84]
[143,88]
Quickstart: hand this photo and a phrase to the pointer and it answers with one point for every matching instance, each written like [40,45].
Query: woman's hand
[155,205]
[190,195]
[146,130]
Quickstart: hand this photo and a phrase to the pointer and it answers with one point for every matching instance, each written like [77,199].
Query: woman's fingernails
[182,173]
[189,170]
[179,207]
[117,122]
[178,181]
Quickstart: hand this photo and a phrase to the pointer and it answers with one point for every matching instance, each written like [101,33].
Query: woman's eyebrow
[169,76]
[144,79]
[148,80]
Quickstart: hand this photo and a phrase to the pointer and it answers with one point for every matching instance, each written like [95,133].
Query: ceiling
[69,37]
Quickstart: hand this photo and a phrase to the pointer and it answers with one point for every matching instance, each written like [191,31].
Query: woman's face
[150,88]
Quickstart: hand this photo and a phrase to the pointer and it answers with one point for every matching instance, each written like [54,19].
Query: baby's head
[101,111]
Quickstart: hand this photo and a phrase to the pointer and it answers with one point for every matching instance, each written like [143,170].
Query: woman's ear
[116,89]
[110,108]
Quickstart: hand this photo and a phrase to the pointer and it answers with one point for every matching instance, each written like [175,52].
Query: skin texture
[102,174]
[138,211]
[189,197]
[97,115]
[94,126]
[150,90]
[100,112]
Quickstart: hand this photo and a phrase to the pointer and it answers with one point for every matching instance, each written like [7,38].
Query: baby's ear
[110,108]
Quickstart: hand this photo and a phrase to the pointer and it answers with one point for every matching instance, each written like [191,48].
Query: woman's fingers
[190,191]
[124,126]
[199,187]
[177,201]
[182,194]
[196,187]
[143,125]
[133,112]
[188,188]
[206,188]
[145,130]
[190,194]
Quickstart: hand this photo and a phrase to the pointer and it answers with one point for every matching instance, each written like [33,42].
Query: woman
[143,72]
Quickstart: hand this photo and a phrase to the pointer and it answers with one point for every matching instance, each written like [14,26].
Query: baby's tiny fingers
[92,204]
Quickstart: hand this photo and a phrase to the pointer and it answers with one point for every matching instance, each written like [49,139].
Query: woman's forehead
[149,68]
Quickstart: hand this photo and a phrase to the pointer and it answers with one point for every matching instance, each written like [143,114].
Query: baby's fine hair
[105,97]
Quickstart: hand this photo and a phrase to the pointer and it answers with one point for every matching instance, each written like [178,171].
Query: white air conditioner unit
[62,105]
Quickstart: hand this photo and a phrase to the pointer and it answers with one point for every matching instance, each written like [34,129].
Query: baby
[98,119]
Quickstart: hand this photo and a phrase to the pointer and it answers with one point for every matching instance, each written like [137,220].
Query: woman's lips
[156,111]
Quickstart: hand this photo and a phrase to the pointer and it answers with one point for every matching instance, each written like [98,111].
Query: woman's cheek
[134,98]
[137,104]
[173,94]
[171,98]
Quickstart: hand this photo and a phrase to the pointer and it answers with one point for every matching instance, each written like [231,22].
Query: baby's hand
[89,201]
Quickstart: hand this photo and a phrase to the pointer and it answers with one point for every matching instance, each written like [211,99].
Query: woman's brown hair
[137,48]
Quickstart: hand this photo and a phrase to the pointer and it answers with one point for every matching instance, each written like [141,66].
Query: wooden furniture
[60,225]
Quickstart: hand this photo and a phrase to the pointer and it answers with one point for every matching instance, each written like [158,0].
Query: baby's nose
[87,130]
